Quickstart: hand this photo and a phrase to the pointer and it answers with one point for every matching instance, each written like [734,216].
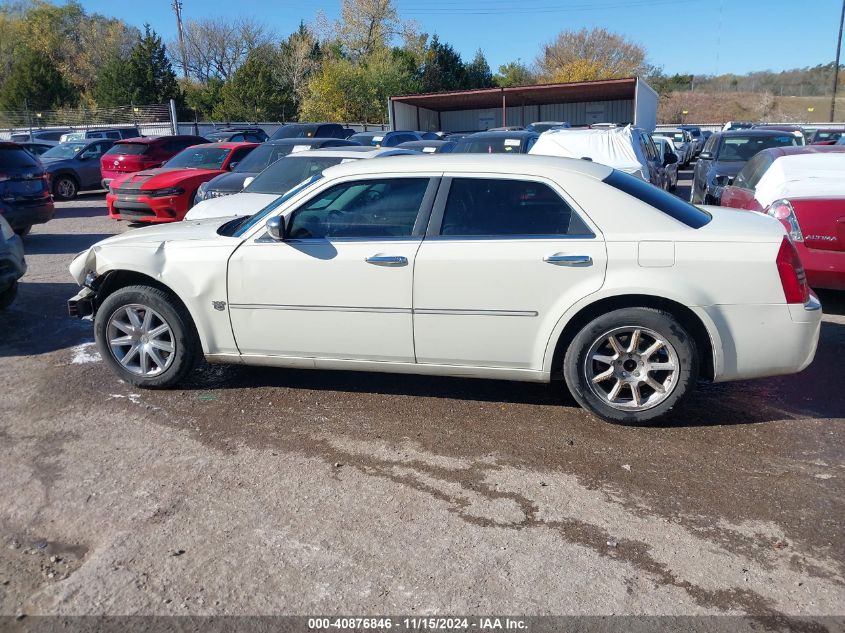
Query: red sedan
[803,188]
[165,194]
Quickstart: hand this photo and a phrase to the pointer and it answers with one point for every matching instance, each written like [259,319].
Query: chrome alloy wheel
[632,368]
[141,340]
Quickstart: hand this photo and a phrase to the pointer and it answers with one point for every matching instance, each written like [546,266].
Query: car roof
[225,145]
[502,134]
[752,132]
[353,151]
[426,143]
[515,164]
[311,140]
[794,150]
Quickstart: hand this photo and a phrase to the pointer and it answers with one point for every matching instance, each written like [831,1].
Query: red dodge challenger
[165,194]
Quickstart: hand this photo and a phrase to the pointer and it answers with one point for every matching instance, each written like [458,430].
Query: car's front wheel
[146,336]
[65,188]
[631,365]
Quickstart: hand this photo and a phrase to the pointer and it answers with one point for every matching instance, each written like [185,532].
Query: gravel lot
[256,491]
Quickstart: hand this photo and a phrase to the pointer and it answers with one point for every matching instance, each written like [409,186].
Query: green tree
[443,68]
[112,88]
[35,83]
[514,74]
[200,99]
[477,72]
[254,92]
[150,76]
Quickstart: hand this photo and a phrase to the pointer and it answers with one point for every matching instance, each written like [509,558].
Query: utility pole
[836,65]
[177,7]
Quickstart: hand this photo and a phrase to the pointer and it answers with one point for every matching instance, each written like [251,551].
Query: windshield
[367,138]
[128,149]
[294,131]
[743,148]
[251,221]
[65,150]
[288,172]
[15,157]
[199,158]
[262,156]
[828,136]
[490,145]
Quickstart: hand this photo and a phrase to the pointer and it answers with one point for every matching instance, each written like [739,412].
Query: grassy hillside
[704,107]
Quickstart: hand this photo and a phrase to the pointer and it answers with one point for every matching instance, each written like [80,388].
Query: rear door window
[499,207]
[664,202]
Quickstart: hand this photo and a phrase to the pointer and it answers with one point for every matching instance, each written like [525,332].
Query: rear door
[503,258]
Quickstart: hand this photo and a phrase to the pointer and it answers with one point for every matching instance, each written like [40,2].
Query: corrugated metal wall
[620,111]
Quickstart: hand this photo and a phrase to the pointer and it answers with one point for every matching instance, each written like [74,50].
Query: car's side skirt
[456,371]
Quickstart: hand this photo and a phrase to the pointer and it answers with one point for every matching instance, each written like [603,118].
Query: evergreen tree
[443,68]
[254,92]
[150,76]
[112,87]
[34,82]
[478,74]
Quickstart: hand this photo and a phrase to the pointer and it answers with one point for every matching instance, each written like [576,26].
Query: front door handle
[387,260]
[575,261]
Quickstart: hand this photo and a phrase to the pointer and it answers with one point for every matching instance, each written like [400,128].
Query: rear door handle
[575,261]
[387,260]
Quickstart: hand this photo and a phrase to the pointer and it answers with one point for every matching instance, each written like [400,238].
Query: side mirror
[669,159]
[705,156]
[233,165]
[276,228]
[248,181]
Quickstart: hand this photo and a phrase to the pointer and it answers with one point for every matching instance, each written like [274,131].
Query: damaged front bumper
[81,305]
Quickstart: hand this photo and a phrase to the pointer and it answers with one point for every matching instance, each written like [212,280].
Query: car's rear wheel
[631,365]
[65,188]
[8,295]
[146,336]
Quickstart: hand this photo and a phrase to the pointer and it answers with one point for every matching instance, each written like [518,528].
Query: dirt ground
[261,491]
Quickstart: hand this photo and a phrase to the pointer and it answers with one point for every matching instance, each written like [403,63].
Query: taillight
[783,211]
[792,276]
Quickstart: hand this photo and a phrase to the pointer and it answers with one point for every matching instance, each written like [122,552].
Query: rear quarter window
[661,200]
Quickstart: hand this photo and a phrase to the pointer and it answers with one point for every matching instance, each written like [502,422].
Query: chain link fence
[151,120]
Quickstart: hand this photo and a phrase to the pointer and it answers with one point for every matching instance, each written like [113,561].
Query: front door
[507,257]
[340,285]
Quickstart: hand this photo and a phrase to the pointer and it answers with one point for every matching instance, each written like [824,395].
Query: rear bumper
[825,269]
[23,214]
[146,209]
[764,340]
[12,263]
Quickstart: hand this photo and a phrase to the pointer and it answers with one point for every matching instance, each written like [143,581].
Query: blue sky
[698,36]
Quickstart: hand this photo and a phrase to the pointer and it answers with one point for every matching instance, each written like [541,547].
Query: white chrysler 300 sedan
[511,267]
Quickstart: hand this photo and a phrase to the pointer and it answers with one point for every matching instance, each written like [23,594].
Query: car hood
[156,238]
[51,164]
[229,182]
[727,168]
[162,177]
[242,203]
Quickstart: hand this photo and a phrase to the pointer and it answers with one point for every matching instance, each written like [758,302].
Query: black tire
[8,296]
[183,336]
[23,230]
[674,337]
[65,187]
